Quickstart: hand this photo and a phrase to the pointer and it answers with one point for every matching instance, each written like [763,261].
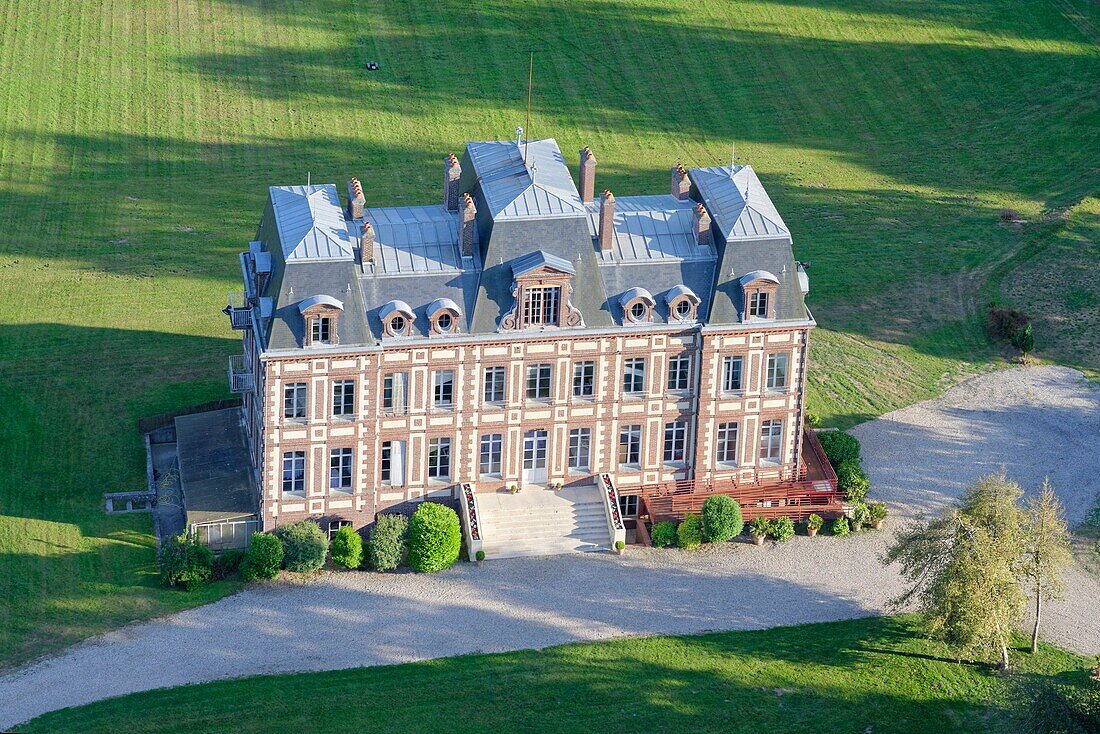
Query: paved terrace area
[1032,421]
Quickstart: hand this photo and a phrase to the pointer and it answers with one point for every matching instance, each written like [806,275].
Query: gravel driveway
[1032,421]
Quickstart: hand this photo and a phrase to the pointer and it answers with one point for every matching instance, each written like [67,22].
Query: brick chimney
[467,226]
[356,200]
[452,171]
[700,224]
[588,175]
[366,244]
[607,217]
[681,184]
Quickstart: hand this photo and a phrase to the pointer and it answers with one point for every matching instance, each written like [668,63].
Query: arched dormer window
[637,306]
[683,304]
[542,292]
[397,318]
[321,316]
[760,290]
[443,316]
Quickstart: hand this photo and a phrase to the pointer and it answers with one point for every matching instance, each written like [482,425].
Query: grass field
[137,138]
[858,676]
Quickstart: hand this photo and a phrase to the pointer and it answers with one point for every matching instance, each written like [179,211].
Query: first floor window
[439,458]
[339,472]
[322,330]
[777,371]
[628,505]
[675,441]
[727,443]
[294,471]
[538,382]
[634,375]
[392,466]
[394,392]
[630,445]
[444,389]
[343,397]
[491,452]
[731,374]
[584,379]
[580,448]
[335,525]
[679,372]
[294,400]
[771,439]
[494,385]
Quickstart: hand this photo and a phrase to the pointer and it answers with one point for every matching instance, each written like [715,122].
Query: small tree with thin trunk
[962,568]
[1046,552]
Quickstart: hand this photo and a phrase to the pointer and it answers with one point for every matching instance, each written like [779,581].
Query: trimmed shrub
[389,542]
[781,528]
[304,546]
[264,557]
[346,548]
[480,556]
[663,534]
[689,533]
[721,518]
[435,538]
[851,480]
[814,522]
[759,527]
[227,563]
[840,526]
[185,562]
[620,545]
[839,446]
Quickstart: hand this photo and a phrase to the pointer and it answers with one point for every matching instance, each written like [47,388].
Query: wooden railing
[796,500]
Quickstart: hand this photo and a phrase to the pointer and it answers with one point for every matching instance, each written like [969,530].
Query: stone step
[593,534]
[533,519]
[515,550]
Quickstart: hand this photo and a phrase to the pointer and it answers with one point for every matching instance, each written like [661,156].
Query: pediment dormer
[542,290]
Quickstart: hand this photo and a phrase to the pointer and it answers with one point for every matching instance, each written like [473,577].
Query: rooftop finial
[519,135]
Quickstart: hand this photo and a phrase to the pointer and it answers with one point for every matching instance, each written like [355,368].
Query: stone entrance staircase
[543,522]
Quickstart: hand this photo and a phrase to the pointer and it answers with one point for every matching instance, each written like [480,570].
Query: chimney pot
[681,184]
[701,225]
[356,201]
[366,245]
[607,218]
[452,172]
[467,226]
[588,175]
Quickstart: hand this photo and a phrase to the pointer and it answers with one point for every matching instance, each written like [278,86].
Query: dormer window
[637,306]
[322,330]
[758,305]
[683,304]
[397,318]
[638,311]
[398,325]
[542,287]
[760,290]
[321,315]
[443,316]
[541,306]
[445,322]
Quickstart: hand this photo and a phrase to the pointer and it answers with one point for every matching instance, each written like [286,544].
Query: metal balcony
[240,375]
[239,311]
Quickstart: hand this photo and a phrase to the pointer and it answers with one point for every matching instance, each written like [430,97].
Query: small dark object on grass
[372,66]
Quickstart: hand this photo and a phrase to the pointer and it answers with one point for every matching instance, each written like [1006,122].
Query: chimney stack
[700,220]
[356,200]
[588,175]
[366,245]
[452,171]
[681,184]
[467,226]
[607,217]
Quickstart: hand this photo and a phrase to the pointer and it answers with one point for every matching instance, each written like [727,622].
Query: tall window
[494,385]
[443,390]
[580,449]
[294,400]
[634,375]
[771,439]
[777,371]
[439,458]
[394,392]
[491,451]
[675,441]
[630,445]
[339,470]
[294,471]
[343,397]
[538,382]
[322,330]
[392,463]
[540,306]
[731,374]
[679,372]
[727,443]
[628,505]
[584,379]
[758,305]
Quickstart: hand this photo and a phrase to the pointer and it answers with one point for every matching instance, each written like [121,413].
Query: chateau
[526,332]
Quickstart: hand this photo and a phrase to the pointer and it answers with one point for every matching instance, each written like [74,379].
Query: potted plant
[758,529]
[859,516]
[558,485]
[876,512]
[813,524]
[620,546]
[480,557]
[841,526]
[514,488]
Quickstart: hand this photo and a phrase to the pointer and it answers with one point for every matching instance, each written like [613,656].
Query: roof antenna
[733,148]
[530,81]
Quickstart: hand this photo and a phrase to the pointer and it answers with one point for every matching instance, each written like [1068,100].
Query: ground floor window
[340,472]
[580,448]
[771,439]
[294,471]
[675,441]
[392,468]
[335,525]
[727,443]
[491,453]
[439,458]
[628,505]
[630,446]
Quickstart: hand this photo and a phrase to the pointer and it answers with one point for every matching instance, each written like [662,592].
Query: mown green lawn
[863,675]
[137,138]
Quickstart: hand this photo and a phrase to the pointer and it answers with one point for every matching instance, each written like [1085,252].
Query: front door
[534,457]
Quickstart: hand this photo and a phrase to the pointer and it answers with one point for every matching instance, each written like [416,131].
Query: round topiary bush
[264,557]
[346,548]
[185,562]
[304,546]
[435,538]
[840,526]
[839,446]
[663,534]
[722,518]
[689,533]
[781,528]
[389,542]
[852,481]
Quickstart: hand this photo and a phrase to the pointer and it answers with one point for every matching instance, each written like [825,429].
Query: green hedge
[346,548]
[689,534]
[839,446]
[304,546]
[852,481]
[185,562]
[663,534]
[264,557]
[722,518]
[389,542]
[435,538]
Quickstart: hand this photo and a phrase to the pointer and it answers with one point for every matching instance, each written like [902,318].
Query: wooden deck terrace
[813,490]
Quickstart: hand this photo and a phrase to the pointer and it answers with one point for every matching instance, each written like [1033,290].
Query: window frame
[386,455]
[538,373]
[297,469]
[633,376]
[579,447]
[675,437]
[491,382]
[494,456]
[299,400]
[727,373]
[626,502]
[758,304]
[439,455]
[773,376]
[321,330]
[683,374]
[334,526]
[722,443]
[342,460]
[582,380]
[541,305]
[443,389]
[771,436]
[389,392]
[343,406]
[630,443]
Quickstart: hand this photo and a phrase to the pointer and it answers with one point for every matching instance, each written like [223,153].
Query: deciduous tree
[1046,552]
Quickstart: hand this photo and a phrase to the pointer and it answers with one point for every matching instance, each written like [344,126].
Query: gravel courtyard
[1034,422]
